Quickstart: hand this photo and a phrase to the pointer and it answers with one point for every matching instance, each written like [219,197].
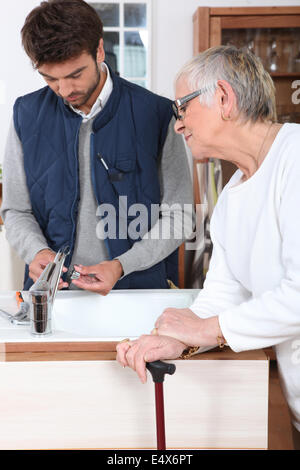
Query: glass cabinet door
[272,33]
[279,51]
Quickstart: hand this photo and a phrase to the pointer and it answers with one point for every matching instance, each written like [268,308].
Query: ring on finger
[125,340]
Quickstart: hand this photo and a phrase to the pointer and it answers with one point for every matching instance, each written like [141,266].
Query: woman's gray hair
[253,87]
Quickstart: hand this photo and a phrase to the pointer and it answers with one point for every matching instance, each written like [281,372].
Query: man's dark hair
[59,30]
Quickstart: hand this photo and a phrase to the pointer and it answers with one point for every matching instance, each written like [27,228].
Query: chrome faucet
[43,294]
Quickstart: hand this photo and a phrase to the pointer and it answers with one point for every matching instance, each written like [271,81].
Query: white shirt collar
[100,101]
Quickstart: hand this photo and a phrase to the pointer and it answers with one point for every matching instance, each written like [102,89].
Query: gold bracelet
[221,341]
[188,352]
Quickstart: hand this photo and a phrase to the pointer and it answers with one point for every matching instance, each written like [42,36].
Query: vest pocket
[122,178]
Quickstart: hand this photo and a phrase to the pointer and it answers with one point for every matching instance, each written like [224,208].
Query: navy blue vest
[128,135]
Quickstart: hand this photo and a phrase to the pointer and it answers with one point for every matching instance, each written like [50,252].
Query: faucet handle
[58,266]
[62,254]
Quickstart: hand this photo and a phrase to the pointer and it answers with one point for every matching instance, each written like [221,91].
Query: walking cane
[158,369]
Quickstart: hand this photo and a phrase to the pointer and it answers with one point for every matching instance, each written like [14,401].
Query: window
[127,38]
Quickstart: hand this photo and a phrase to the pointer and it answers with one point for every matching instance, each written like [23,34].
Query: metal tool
[74,274]
[158,369]
[21,317]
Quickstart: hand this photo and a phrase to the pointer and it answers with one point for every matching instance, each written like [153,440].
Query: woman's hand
[187,327]
[174,330]
[147,348]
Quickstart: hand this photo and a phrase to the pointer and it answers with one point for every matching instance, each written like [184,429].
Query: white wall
[11,266]
[17,76]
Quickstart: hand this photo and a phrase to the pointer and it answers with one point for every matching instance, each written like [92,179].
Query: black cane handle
[158,369]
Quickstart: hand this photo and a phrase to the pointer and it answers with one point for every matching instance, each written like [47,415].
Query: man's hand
[147,348]
[100,278]
[38,264]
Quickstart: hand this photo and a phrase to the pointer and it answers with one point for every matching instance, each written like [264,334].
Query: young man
[82,144]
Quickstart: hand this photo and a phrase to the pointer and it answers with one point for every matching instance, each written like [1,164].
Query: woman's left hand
[147,348]
[187,327]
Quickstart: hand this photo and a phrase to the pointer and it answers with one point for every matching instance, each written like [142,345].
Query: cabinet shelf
[285,74]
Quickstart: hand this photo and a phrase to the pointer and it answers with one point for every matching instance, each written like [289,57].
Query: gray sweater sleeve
[173,226]
[22,230]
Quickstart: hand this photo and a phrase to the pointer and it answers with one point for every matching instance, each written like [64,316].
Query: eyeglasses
[179,104]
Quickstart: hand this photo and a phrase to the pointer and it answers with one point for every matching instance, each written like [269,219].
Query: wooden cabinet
[272,33]
[85,400]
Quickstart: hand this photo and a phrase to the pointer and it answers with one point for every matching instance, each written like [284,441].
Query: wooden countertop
[96,351]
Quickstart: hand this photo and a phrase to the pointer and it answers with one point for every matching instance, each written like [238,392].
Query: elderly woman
[225,108]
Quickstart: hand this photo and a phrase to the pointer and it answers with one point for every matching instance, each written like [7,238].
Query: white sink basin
[120,314]
[82,315]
